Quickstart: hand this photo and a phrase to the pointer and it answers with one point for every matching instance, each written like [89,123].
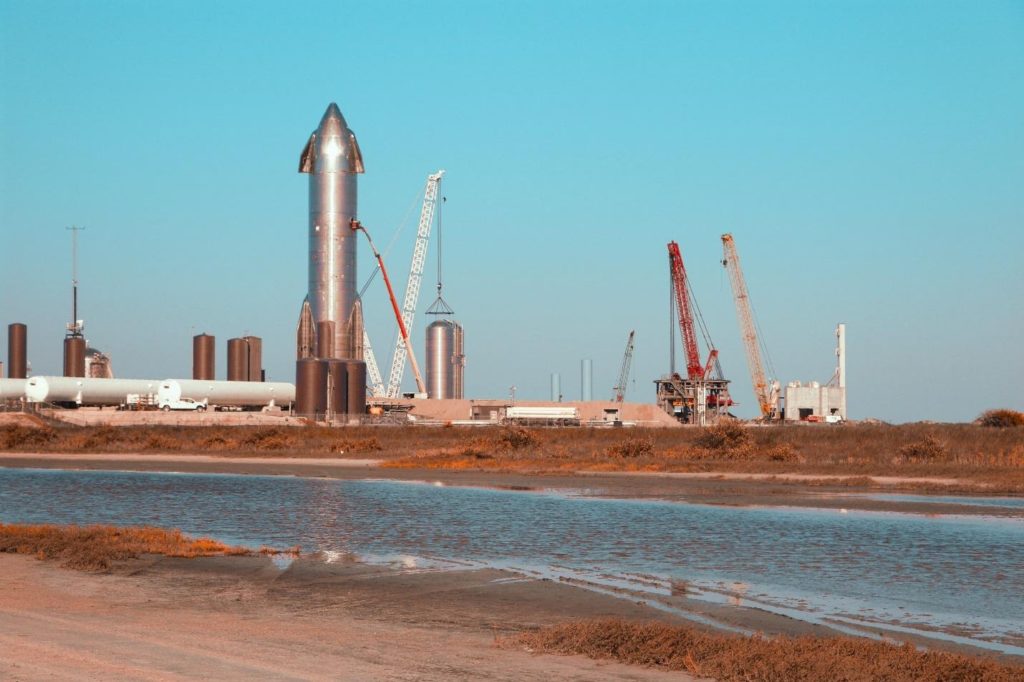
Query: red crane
[695,370]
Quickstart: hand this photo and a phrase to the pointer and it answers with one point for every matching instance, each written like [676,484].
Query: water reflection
[967,570]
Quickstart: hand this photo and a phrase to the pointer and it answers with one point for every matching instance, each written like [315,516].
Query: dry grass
[94,548]
[730,658]
[972,453]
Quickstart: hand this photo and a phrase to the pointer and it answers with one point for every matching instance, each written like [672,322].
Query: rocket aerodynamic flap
[356,160]
[308,155]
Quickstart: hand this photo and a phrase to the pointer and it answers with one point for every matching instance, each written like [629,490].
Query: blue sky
[867,156]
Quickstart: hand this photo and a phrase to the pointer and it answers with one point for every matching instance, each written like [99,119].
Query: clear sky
[867,156]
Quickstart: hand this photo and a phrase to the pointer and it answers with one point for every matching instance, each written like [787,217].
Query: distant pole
[74,328]
[671,327]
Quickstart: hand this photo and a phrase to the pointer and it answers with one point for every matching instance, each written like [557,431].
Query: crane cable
[394,238]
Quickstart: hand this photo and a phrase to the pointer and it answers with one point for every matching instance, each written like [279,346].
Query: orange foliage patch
[97,547]
[729,658]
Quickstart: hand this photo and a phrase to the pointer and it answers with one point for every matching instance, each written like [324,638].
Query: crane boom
[627,361]
[403,332]
[372,370]
[763,391]
[694,368]
[412,287]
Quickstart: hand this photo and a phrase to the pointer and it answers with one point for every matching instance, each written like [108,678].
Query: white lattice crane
[412,287]
[372,370]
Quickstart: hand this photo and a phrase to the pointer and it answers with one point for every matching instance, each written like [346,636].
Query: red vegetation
[734,658]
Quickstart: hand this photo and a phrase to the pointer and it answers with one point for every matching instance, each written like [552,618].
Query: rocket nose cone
[333,121]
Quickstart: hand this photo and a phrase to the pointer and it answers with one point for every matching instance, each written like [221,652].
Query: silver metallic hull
[445,360]
[332,159]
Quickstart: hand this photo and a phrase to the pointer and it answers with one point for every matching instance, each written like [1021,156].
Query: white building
[814,402]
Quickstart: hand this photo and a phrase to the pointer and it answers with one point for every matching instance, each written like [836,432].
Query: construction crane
[766,393]
[403,332]
[372,370]
[627,361]
[412,287]
[695,370]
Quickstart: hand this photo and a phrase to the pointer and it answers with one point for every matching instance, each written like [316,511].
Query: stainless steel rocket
[332,159]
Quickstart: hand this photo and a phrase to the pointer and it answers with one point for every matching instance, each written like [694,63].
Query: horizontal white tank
[87,391]
[233,393]
[12,389]
[526,412]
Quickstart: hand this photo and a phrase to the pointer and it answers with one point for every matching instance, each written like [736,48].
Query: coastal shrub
[268,439]
[101,437]
[736,658]
[371,444]
[633,447]
[725,435]
[515,438]
[928,449]
[1001,419]
[18,436]
[94,548]
[159,441]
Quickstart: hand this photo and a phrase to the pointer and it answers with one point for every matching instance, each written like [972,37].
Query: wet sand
[242,618]
[700,488]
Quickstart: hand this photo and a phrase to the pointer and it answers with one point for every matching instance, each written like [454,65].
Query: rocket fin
[308,155]
[355,329]
[356,160]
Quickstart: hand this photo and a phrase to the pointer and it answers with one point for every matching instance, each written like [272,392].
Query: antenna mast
[75,328]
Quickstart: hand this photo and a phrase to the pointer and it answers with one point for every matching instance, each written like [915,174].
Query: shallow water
[962,574]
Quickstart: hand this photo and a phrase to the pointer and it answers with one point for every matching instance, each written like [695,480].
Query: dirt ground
[243,618]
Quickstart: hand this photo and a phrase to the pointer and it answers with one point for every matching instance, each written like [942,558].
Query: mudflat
[158,618]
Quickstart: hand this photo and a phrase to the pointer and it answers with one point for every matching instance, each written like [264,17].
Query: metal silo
[458,361]
[356,370]
[203,357]
[238,360]
[310,387]
[439,359]
[336,389]
[74,356]
[17,351]
[253,358]
[446,360]
[586,380]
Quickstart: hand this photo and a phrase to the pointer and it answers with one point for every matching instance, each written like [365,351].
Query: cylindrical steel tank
[586,379]
[356,370]
[238,360]
[204,356]
[440,342]
[446,360]
[17,351]
[87,391]
[556,388]
[458,361]
[12,389]
[254,350]
[337,387]
[74,356]
[310,387]
[325,339]
[230,393]
[333,161]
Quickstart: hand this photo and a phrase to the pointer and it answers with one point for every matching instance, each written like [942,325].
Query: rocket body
[333,160]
